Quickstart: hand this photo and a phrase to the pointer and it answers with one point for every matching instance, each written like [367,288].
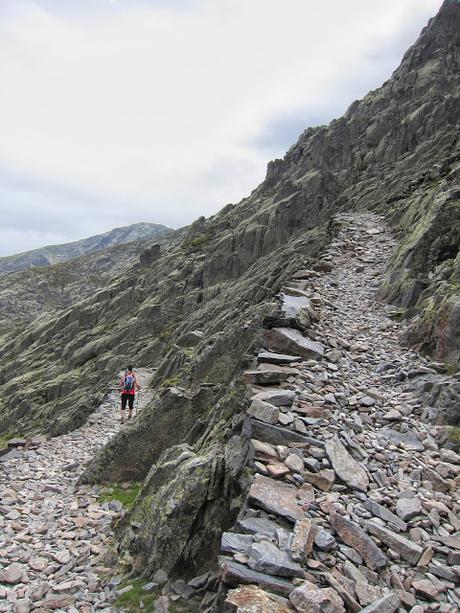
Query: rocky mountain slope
[38,291]
[53,254]
[197,312]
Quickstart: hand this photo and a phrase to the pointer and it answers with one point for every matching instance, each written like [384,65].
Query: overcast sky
[118,111]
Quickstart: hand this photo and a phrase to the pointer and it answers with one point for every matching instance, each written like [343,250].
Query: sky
[119,111]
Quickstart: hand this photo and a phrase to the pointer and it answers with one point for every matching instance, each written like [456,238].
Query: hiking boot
[122,420]
[130,415]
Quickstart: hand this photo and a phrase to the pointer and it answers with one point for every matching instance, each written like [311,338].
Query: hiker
[129,383]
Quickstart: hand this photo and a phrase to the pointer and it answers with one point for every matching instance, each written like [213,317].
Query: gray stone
[387,604]
[257,525]
[324,540]
[407,441]
[275,497]
[407,508]
[267,374]
[234,574]
[267,558]
[294,463]
[264,411]
[231,542]
[345,467]
[309,599]
[380,511]
[354,536]
[288,340]
[276,435]
[302,539]
[277,397]
[407,549]
[277,358]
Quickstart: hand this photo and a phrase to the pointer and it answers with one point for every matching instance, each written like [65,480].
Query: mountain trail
[52,531]
[353,488]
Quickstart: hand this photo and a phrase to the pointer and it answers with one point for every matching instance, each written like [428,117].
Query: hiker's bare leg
[122,416]
[130,414]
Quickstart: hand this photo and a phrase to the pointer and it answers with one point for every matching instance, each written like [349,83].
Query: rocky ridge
[354,501]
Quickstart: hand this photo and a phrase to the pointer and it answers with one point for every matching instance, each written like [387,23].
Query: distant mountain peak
[53,254]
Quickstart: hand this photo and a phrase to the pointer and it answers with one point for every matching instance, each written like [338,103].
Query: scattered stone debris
[355,502]
[53,533]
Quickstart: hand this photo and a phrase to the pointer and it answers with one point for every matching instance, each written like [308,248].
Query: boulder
[290,341]
[266,557]
[309,599]
[387,604]
[264,411]
[234,574]
[302,539]
[407,508]
[268,374]
[354,536]
[407,549]
[275,497]
[250,598]
[345,467]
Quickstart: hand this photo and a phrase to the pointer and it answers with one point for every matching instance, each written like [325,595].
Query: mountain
[53,254]
[199,311]
[38,290]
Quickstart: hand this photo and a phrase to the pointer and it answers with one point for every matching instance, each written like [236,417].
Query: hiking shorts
[127,398]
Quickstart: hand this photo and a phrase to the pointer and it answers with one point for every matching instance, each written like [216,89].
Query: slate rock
[407,508]
[266,557]
[279,398]
[324,540]
[250,598]
[409,442]
[302,539]
[233,574]
[275,497]
[354,536]
[290,341]
[232,542]
[267,374]
[309,599]
[380,511]
[277,358]
[257,525]
[345,467]
[387,604]
[264,411]
[407,549]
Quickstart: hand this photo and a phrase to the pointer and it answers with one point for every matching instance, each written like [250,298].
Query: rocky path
[52,531]
[355,502]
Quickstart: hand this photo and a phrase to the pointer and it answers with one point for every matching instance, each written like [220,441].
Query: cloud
[163,111]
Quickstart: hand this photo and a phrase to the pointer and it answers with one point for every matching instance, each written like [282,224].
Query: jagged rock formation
[198,309]
[30,293]
[54,254]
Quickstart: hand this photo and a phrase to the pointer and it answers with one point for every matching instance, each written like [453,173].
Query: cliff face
[54,254]
[194,309]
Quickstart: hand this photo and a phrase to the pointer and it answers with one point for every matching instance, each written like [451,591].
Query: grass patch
[4,438]
[453,434]
[125,495]
[171,382]
[131,601]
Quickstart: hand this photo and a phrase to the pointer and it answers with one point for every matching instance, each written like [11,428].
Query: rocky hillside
[53,254]
[38,291]
[198,312]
